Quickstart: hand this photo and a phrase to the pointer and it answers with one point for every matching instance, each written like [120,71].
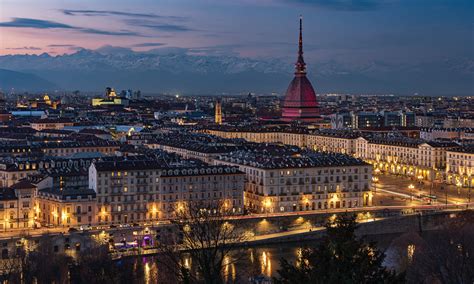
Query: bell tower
[218,112]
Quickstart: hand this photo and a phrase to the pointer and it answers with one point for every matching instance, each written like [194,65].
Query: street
[390,190]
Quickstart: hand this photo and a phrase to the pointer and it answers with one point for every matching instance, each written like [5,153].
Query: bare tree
[205,247]
[44,265]
[10,268]
[447,255]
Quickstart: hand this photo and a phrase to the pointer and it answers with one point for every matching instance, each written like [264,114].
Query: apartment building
[280,179]
[59,149]
[14,170]
[203,147]
[460,166]
[17,207]
[47,123]
[147,190]
[398,155]
[405,156]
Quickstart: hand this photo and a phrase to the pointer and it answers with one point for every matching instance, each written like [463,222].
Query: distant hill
[23,82]
[176,70]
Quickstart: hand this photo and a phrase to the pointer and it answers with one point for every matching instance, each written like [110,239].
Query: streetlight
[267,204]
[468,195]
[375,180]
[411,187]
[458,185]
[420,178]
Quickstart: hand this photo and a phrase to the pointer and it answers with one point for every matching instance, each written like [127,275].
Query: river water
[253,261]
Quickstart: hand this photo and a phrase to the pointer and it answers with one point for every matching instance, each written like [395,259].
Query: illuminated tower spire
[300,102]
[218,113]
[300,65]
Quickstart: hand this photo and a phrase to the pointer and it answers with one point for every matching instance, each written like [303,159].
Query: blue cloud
[24,48]
[44,24]
[35,23]
[340,5]
[158,26]
[92,13]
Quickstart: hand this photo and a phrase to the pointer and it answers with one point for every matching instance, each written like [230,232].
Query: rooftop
[286,157]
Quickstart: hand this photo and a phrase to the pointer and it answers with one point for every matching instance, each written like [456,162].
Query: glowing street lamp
[267,204]
[420,179]
[411,187]
[375,181]
[459,185]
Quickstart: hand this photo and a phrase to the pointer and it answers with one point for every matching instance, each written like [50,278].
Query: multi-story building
[427,121]
[399,154]
[445,133]
[57,124]
[59,149]
[283,179]
[195,146]
[460,166]
[413,157]
[17,207]
[367,120]
[66,207]
[342,120]
[147,190]
[59,169]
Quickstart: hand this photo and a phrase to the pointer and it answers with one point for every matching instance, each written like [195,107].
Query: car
[72,230]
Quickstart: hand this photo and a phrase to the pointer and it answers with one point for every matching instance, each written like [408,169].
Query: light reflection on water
[254,261]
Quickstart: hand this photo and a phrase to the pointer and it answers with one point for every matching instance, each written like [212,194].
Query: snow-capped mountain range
[161,70]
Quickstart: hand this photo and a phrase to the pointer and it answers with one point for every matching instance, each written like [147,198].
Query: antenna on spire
[301,36]
[300,64]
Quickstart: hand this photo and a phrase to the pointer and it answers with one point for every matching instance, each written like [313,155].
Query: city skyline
[153,141]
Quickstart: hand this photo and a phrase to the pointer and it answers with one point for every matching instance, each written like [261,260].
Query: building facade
[17,206]
[308,181]
[66,207]
[146,191]
[460,166]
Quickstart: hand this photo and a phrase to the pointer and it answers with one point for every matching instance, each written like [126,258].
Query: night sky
[400,32]
[389,30]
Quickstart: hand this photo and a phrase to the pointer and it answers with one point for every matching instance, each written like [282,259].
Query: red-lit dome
[300,102]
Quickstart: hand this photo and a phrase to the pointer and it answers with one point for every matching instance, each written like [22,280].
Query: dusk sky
[342,30]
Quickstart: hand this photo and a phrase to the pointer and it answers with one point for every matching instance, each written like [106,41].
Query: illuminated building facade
[405,156]
[146,190]
[300,102]
[66,207]
[287,182]
[412,157]
[111,99]
[460,166]
[17,206]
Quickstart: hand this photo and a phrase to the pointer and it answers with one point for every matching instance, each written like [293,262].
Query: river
[256,260]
